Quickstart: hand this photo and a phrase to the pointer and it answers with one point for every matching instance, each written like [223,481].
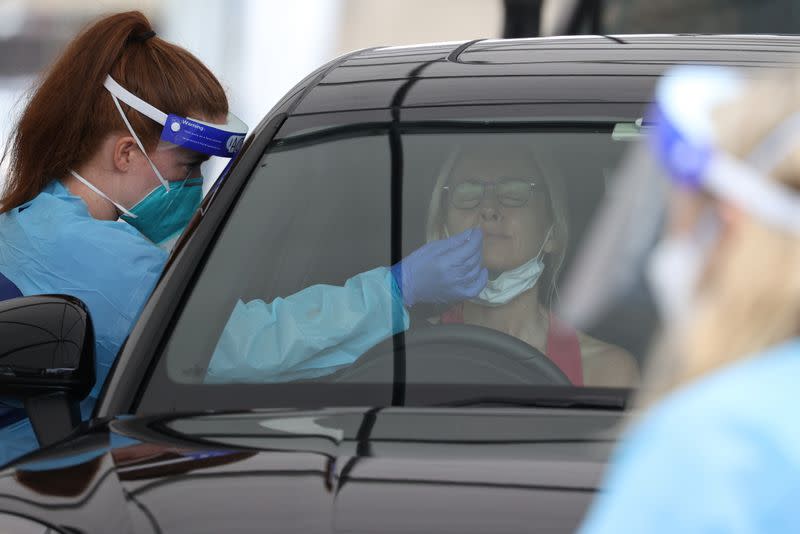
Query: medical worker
[716,448]
[104,173]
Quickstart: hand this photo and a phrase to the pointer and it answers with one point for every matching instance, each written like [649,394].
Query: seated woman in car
[500,189]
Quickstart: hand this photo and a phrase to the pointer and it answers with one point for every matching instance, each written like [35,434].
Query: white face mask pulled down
[511,284]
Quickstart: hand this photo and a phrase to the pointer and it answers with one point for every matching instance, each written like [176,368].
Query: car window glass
[314,225]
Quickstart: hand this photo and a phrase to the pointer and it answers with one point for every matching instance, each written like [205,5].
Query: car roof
[620,68]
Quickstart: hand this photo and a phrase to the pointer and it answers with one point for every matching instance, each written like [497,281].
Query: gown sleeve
[309,334]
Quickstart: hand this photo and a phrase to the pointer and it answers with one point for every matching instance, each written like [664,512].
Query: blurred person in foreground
[716,447]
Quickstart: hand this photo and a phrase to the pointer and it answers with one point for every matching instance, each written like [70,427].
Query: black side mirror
[47,360]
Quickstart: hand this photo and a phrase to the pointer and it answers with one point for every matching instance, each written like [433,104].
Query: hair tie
[142,37]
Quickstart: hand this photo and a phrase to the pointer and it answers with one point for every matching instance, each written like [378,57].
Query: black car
[441,428]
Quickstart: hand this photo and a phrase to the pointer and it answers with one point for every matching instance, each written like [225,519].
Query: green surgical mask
[162,215]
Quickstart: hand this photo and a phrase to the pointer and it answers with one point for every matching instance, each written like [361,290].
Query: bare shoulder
[607,365]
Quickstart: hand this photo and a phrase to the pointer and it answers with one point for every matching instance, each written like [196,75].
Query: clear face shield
[213,140]
[639,266]
[185,143]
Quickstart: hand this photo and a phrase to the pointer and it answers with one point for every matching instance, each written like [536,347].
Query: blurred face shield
[642,259]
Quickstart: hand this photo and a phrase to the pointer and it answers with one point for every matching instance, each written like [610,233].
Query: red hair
[70,112]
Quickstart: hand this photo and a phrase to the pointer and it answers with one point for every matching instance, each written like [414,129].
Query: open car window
[312,237]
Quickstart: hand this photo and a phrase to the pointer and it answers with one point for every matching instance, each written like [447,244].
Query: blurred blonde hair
[437,210]
[749,296]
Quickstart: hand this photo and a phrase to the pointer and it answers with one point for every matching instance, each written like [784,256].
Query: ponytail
[70,112]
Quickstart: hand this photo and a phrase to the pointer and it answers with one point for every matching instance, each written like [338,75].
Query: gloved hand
[444,271]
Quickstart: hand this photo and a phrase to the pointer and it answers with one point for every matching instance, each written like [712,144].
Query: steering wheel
[456,354]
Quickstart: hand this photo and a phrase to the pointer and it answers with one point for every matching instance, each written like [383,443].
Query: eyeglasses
[511,193]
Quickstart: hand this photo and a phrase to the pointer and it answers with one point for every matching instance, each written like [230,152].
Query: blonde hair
[436,227]
[749,297]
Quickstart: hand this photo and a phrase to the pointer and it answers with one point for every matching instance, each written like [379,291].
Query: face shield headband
[222,140]
[684,142]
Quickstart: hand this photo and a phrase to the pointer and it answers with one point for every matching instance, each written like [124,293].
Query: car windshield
[296,303]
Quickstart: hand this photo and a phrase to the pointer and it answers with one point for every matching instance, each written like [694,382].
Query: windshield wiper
[593,402]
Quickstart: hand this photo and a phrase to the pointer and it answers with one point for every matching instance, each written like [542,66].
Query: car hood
[334,470]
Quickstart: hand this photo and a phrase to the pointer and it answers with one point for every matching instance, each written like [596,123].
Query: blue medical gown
[52,245]
[721,455]
[310,334]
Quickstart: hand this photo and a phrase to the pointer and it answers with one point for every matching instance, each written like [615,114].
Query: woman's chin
[497,254]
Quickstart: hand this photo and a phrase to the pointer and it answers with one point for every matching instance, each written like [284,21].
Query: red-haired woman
[93,146]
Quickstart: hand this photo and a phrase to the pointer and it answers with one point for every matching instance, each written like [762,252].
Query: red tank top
[563,346]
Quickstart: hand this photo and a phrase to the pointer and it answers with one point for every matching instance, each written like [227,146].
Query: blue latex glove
[444,271]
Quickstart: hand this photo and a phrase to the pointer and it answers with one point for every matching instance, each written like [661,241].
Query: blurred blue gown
[52,245]
[720,455]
